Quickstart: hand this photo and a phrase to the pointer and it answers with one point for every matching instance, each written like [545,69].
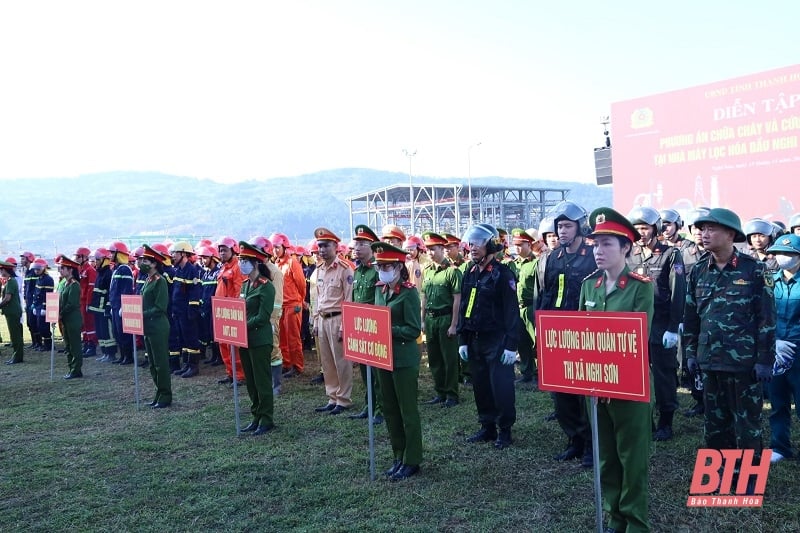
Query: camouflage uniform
[729,327]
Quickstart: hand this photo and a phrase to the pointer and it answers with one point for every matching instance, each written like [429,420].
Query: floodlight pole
[469,176]
[409,155]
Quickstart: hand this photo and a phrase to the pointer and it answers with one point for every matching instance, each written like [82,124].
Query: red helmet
[342,248]
[414,243]
[101,253]
[208,251]
[229,242]
[84,251]
[262,243]
[160,248]
[40,263]
[300,250]
[203,242]
[120,247]
[12,260]
[29,256]
[279,239]
[312,246]
[137,253]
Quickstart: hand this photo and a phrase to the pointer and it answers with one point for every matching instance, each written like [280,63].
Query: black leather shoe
[338,409]
[404,472]
[662,434]
[450,402]
[161,405]
[326,408]
[225,381]
[12,362]
[251,426]
[151,404]
[292,372]
[503,439]
[377,419]
[317,380]
[572,452]
[483,435]
[435,400]
[396,465]
[73,375]
[361,415]
[260,430]
[587,461]
[550,417]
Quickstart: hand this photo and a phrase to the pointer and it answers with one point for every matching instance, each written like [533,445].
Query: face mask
[246,267]
[386,277]
[145,268]
[787,262]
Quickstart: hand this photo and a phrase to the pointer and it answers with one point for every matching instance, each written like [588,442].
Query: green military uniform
[441,284]
[155,302]
[527,270]
[624,427]
[259,301]
[69,311]
[12,310]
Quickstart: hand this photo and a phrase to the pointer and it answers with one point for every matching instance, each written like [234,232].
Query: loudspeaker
[602,165]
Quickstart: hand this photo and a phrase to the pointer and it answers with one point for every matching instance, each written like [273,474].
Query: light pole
[469,176]
[409,155]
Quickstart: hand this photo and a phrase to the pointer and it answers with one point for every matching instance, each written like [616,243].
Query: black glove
[763,372]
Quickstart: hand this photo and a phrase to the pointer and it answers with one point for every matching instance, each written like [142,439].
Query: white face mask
[386,277]
[246,267]
[787,262]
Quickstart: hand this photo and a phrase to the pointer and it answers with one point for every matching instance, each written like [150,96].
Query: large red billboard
[733,144]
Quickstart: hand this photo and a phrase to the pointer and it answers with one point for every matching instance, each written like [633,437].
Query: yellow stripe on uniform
[472,294]
[561,278]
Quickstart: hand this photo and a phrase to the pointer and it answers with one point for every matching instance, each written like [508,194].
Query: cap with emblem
[723,217]
[430,238]
[386,253]
[390,231]
[248,251]
[452,240]
[324,234]
[786,244]
[150,253]
[365,233]
[64,261]
[606,221]
[519,236]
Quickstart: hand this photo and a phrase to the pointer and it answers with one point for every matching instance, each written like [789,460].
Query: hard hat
[567,210]
[12,260]
[208,251]
[414,243]
[39,263]
[138,252]
[645,215]
[101,253]
[794,221]
[759,225]
[262,243]
[229,242]
[118,247]
[301,250]
[279,239]
[484,234]
[671,215]
[724,217]
[181,246]
[547,225]
[84,251]
[312,246]
[29,256]
[694,214]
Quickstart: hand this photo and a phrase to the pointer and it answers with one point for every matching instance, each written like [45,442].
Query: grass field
[78,456]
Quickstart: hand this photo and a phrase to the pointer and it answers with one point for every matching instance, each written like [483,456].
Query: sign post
[367,337]
[51,317]
[133,323]
[596,354]
[230,326]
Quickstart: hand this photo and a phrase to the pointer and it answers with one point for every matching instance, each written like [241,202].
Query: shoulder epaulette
[408,285]
[593,275]
[635,275]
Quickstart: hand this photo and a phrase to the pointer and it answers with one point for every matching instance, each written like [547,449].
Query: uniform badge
[678,269]
[600,219]
[513,285]
[769,281]
[590,304]
[349,280]
[741,282]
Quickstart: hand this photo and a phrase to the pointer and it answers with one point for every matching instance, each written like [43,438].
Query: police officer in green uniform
[527,294]
[259,295]
[488,335]
[729,333]
[441,299]
[399,386]
[69,315]
[503,256]
[365,277]
[623,426]
[11,307]
[664,265]
[155,309]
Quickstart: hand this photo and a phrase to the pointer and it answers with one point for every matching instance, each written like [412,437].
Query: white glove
[784,349]
[680,328]
[670,340]
[509,357]
[120,311]
[463,353]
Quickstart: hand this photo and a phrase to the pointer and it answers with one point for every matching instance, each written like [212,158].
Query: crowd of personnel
[724,320]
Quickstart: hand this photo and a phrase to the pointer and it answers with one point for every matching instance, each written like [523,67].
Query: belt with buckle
[329,315]
[433,313]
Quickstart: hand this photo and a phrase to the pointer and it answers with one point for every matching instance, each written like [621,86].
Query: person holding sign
[69,315]
[400,385]
[623,426]
[155,308]
[259,295]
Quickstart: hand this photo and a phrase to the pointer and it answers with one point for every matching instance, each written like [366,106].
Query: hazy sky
[256,89]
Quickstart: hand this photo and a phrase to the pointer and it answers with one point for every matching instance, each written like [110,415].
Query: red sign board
[132,319]
[51,308]
[594,353]
[367,334]
[230,321]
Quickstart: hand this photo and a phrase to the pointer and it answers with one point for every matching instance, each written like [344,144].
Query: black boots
[664,430]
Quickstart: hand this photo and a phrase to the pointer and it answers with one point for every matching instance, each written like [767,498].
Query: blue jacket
[787,305]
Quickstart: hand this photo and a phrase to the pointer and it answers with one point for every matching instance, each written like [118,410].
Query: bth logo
[714,473]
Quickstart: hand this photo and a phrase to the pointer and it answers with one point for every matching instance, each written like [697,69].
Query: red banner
[51,305]
[230,321]
[594,353]
[367,334]
[132,319]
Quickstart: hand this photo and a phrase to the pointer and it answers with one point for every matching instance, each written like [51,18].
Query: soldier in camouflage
[729,333]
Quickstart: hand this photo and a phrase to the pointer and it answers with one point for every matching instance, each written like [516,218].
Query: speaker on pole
[602,165]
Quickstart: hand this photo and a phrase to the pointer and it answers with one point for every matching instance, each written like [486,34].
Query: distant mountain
[51,216]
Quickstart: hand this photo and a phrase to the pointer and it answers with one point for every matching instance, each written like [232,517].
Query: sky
[241,90]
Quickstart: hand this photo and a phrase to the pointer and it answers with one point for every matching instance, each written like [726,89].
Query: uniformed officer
[229,285]
[187,291]
[399,387]
[564,272]
[729,333]
[208,277]
[44,284]
[794,224]
[623,426]
[671,225]
[11,308]
[155,306]
[441,300]
[488,335]
[760,235]
[365,278]
[121,284]
[453,250]
[28,288]
[663,264]
[69,315]
[527,294]
[333,279]
[88,275]
[294,293]
[276,277]
[504,256]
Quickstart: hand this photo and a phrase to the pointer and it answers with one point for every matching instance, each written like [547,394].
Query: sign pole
[133,325]
[598,500]
[234,354]
[137,395]
[370,416]
[51,312]
[52,350]
[230,327]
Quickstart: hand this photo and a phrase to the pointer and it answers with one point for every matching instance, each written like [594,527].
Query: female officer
[155,302]
[11,307]
[69,315]
[259,294]
[624,427]
[399,386]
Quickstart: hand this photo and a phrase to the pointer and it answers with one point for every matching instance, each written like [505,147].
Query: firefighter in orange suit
[294,293]
[229,285]
[88,275]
